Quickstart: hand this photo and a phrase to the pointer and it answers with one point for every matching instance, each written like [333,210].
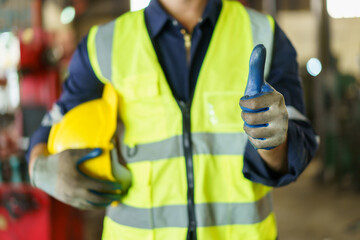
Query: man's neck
[187,12]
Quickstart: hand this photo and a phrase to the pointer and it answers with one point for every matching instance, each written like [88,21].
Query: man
[197,172]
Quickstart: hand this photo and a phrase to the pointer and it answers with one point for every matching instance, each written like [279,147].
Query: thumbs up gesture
[263,108]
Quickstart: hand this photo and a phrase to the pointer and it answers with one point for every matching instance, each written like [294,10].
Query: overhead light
[314,67]
[343,8]
[138,4]
[67,15]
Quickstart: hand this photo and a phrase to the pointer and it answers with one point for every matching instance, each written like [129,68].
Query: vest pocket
[142,109]
[140,191]
[222,111]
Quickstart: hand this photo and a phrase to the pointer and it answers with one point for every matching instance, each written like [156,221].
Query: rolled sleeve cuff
[301,148]
[40,136]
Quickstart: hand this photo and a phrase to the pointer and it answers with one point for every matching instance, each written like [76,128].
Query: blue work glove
[59,175]
[263,108]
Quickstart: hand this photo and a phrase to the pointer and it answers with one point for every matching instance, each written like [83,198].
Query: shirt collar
[156,17]
[212,11]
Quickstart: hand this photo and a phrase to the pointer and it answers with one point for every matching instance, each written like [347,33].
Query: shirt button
[175,23]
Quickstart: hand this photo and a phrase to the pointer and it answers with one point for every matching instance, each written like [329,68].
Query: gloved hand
[263,108]
[59,175]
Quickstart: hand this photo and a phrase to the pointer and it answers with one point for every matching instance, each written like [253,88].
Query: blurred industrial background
[37,39]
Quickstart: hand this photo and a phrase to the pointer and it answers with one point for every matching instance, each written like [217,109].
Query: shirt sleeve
[302,145]
[81,85]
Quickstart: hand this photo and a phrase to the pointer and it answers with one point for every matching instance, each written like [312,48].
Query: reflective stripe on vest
[205,143]
[211,214]
[227,206]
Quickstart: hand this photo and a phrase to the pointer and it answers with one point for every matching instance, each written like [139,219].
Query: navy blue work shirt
[82,85]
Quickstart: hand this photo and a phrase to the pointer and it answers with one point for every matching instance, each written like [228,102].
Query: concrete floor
[306,210]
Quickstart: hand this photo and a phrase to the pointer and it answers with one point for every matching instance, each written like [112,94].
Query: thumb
[120,173]
[256,71]
[87,154]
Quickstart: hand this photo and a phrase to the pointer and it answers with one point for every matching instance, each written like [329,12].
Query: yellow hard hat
[89,125]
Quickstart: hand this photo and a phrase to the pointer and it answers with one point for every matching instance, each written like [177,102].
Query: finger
[99,205]
[89,205]
[261,143]
[98,201]
[267,143]
[257,118]
[100,185]
[107,195]
[249,110]
[80,199]
[92,154]
[262,133]
[89,196]
[72,154]
[260,103]
[97,183]
[120,173]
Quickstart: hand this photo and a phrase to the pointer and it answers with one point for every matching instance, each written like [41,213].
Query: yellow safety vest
[186,160]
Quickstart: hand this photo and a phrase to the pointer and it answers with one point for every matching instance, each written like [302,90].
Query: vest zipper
[187,43]
[185,109]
